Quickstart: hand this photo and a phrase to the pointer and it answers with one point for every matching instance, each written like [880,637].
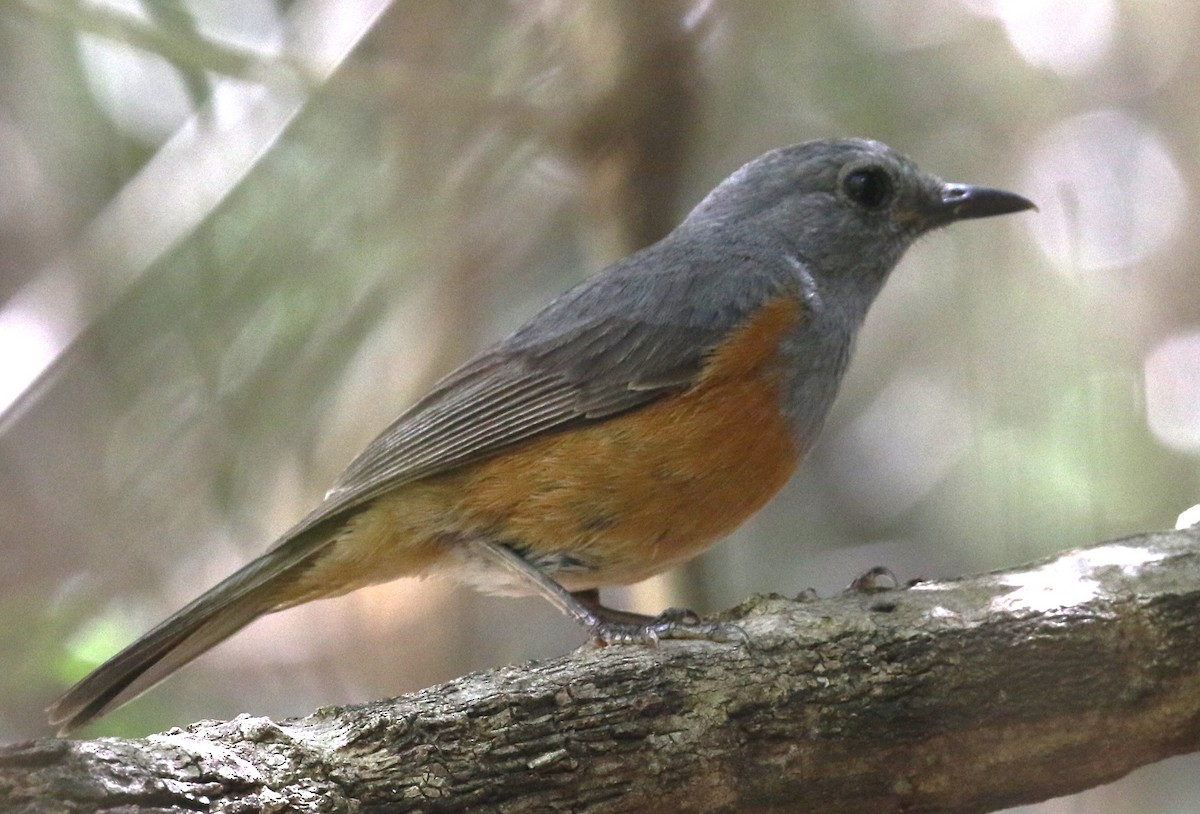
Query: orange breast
[641,492]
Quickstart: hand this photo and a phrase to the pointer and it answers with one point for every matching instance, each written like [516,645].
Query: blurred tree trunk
[964,696]
[634,133]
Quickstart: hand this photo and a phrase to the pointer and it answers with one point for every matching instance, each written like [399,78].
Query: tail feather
[256,589]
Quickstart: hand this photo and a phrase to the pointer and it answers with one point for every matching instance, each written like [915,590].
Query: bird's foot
[673,623]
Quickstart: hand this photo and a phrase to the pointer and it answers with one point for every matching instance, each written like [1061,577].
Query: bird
[633,422]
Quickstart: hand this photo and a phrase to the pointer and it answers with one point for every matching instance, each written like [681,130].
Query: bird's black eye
[869,187]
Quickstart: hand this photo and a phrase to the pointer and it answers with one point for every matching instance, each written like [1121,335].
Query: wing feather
[477,412]
[614,343]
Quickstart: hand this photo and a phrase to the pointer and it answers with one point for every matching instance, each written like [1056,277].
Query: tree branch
[960,696]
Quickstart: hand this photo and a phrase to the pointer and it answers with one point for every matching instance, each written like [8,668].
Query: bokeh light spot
[27,346]
[1173,392]
[1064,36]
[142,93]
[1109,192]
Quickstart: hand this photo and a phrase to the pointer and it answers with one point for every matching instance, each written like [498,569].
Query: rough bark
[960,696]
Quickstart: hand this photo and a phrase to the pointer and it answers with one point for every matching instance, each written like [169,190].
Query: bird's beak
[963,201]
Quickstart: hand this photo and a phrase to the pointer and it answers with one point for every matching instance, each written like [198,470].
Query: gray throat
[824,341]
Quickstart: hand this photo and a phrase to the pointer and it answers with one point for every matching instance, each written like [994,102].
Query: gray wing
[623,338]
[508,395]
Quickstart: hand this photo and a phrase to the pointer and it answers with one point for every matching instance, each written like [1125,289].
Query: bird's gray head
[834,218]
[844,206]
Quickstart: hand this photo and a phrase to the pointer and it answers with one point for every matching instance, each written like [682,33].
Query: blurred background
[236,239]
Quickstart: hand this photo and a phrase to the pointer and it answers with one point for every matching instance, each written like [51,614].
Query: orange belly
[615,501]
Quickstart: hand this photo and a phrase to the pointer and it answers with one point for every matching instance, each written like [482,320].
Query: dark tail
[254,590]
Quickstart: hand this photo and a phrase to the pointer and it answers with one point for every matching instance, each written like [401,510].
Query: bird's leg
[608,625]
[590,599]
